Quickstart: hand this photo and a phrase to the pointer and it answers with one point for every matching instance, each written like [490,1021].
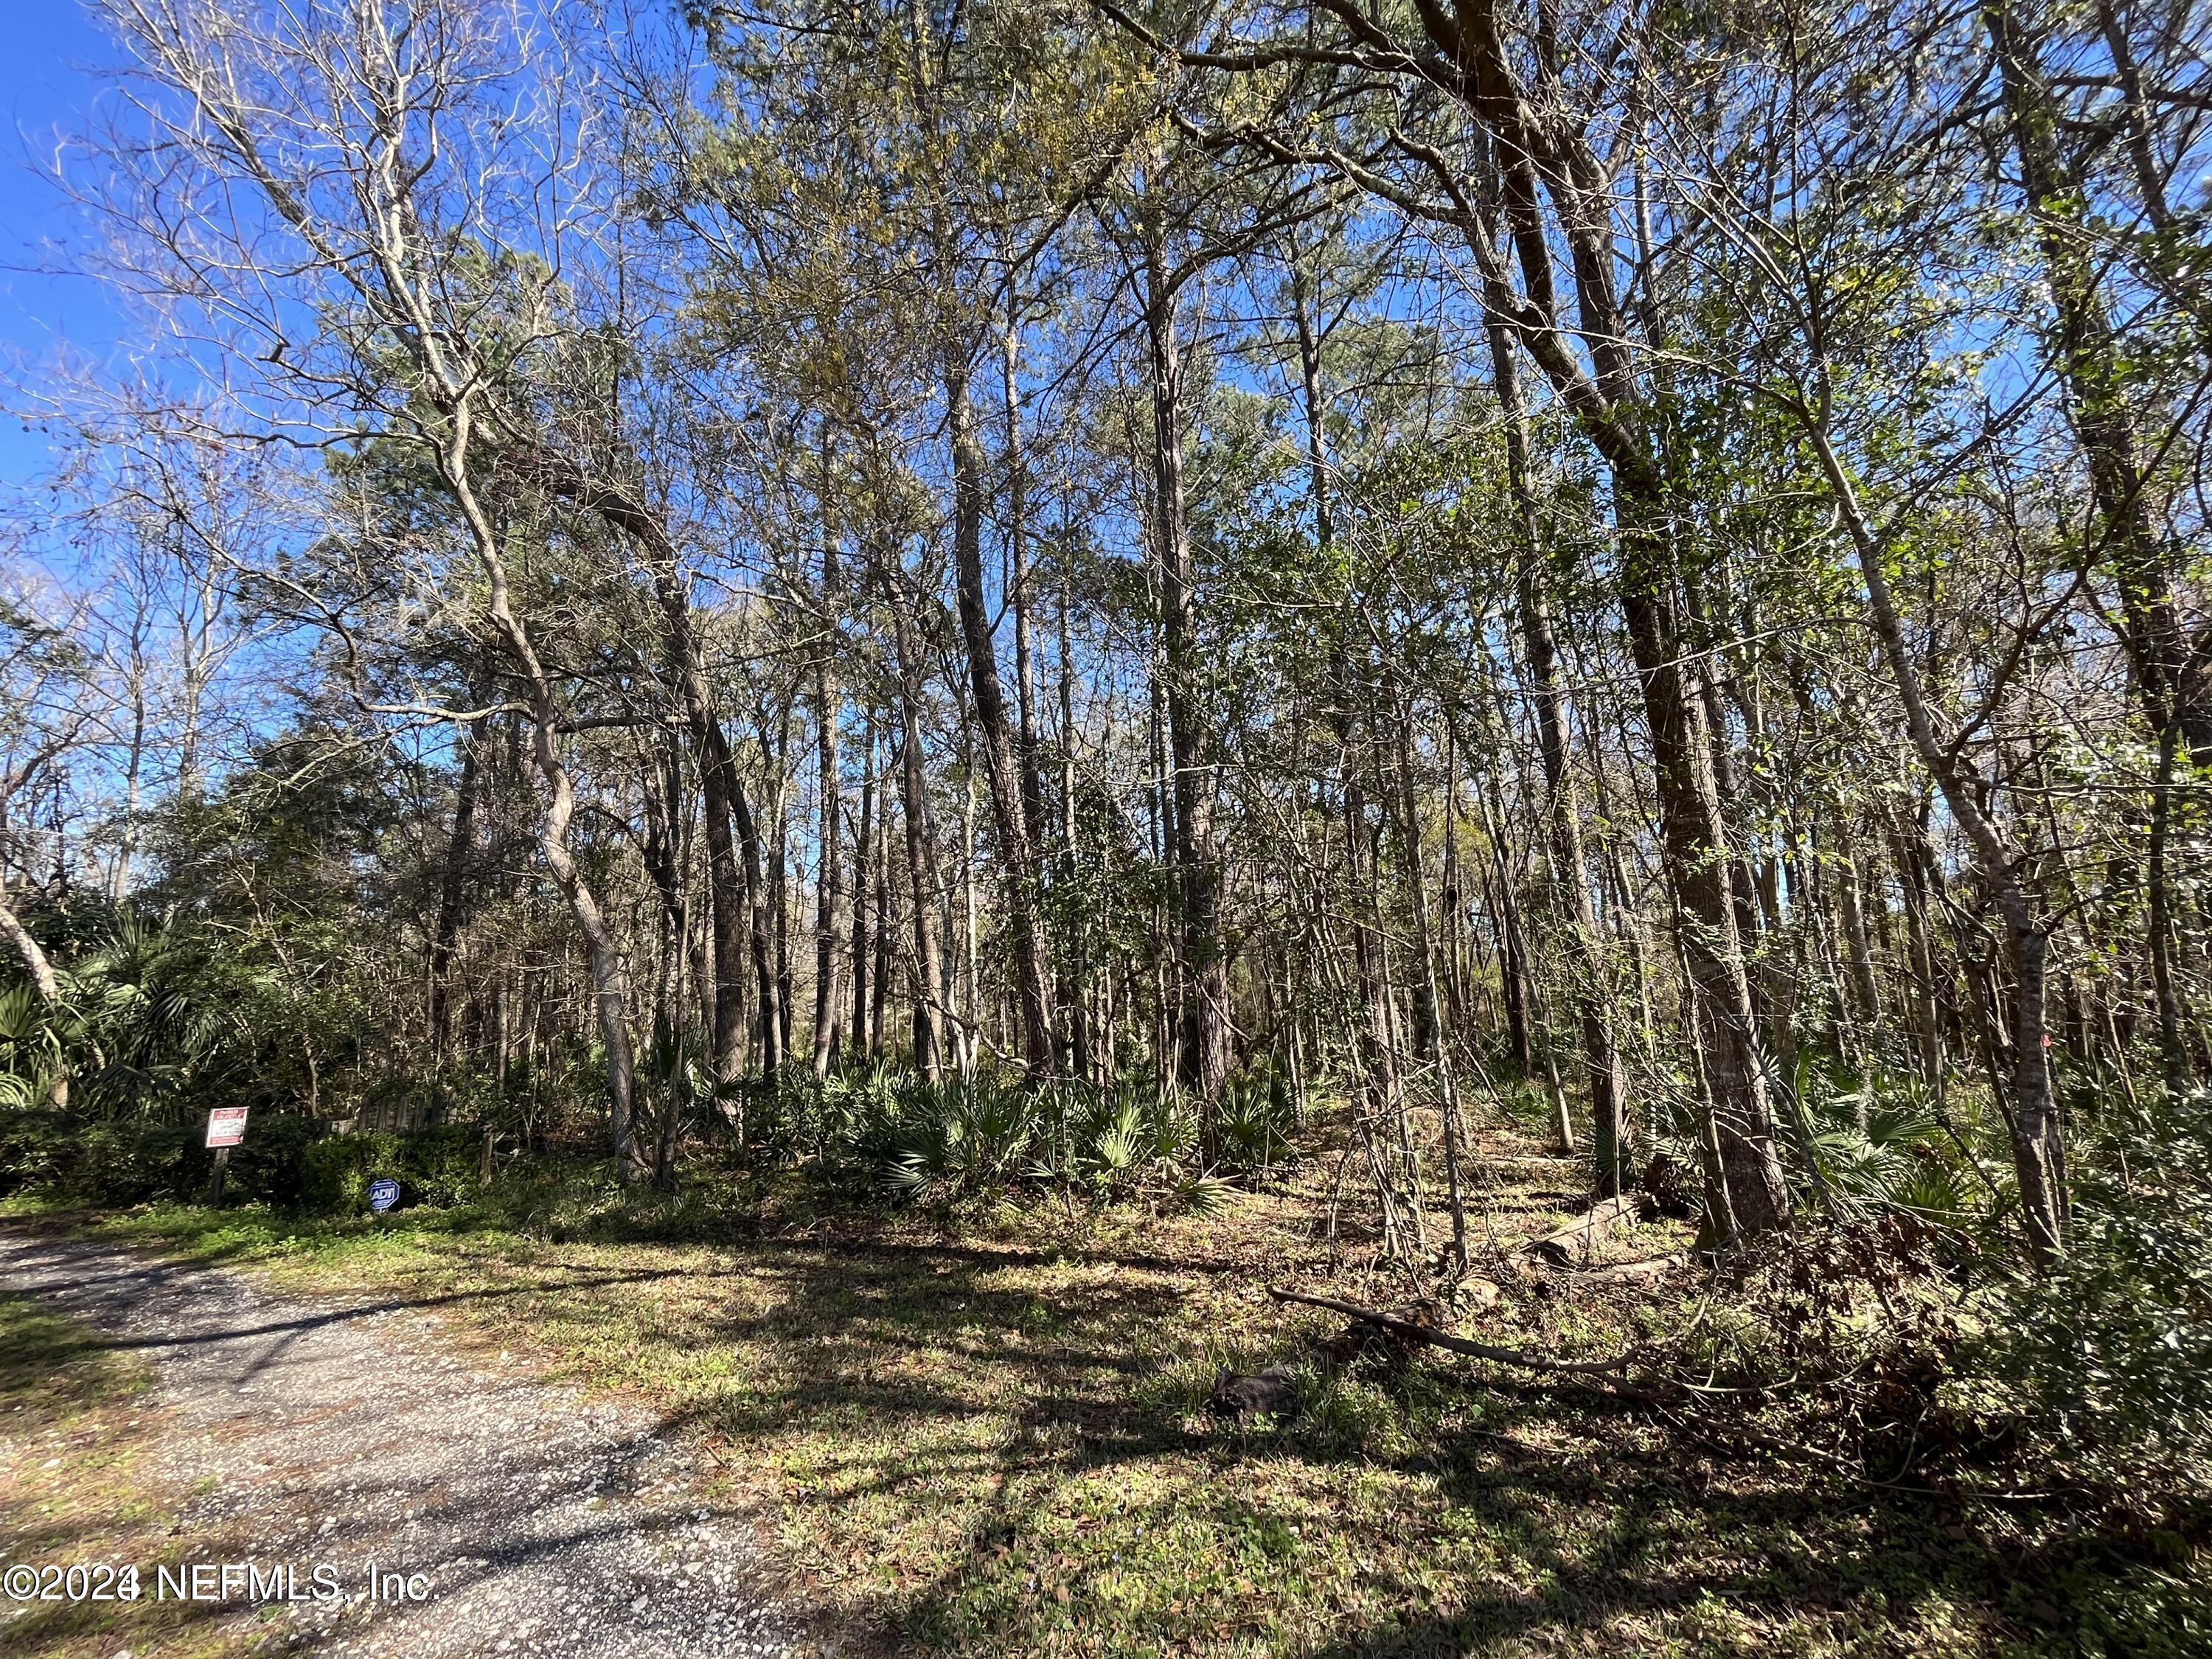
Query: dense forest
[1091,600]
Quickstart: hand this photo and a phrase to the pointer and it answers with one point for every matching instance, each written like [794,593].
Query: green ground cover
[78,1430]
[987,1433]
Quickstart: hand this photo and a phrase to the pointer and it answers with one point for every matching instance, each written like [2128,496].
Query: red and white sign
[226,1125]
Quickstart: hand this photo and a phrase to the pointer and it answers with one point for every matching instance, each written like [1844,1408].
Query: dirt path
[335,1435]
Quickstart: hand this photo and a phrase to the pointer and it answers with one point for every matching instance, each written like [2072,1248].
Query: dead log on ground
[1631,1273]
[1411,1332]
[1573,1245]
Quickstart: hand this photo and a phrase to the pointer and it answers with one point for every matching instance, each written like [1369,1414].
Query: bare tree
[400,255]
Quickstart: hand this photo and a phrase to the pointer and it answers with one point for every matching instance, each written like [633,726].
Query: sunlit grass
[986,1433]
[79,1426]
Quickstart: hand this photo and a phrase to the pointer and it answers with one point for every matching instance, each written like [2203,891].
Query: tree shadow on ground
[989,1449]
[1058,1492]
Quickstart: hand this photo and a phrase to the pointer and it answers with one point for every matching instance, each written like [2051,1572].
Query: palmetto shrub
[991,1133]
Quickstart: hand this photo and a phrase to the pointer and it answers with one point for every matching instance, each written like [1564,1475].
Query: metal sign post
[226,1129]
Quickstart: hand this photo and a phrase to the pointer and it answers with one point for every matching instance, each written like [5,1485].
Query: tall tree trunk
[1602,1072]
[609,978]
[1010,814]
[1204,1023]
[2173,1052]
[863,864]
[1866,991]
[1699,638]
[134,765]
[828,887]
[1744,1173]
[929,962]
[730,889]
[2038,1154]
[1928,974]
[767,1030]
[1434,1036]
[970,967]
[780,884]
[1076,994]
[721,794]
[2171,681]
[1535,147]
[452,891]
[886,925]
[1019,600]
[1513,978]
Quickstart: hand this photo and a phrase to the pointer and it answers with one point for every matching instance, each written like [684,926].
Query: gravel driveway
[338,1435]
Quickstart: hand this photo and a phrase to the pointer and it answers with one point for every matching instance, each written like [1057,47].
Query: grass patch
[78,1428]
[988,1437]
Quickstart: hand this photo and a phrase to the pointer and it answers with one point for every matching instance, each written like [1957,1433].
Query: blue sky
[49,52]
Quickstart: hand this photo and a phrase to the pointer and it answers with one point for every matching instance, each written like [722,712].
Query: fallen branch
[1581,1235]
[1405,1328]
[1624,1273]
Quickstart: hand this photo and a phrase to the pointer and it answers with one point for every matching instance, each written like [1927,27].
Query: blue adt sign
[383,1194]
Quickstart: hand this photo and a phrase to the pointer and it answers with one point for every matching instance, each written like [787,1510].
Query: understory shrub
[62,1156]
[919,1140]
[440,1166]
[286,1161]
[2109,1352]
[270,1166]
